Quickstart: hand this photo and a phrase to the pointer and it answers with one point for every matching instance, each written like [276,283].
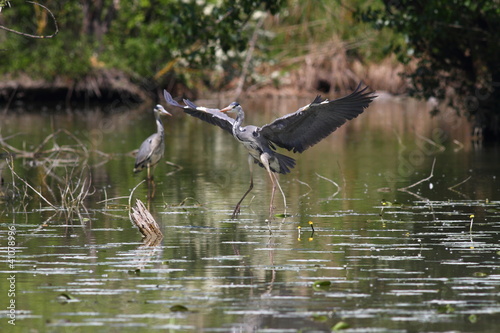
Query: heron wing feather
[145,151]
[211,116]
[312,123]
[169,99]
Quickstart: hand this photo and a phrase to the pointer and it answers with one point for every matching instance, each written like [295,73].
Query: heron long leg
[151,181]
[238,205]
[282,193]
[153,184]
[265,161]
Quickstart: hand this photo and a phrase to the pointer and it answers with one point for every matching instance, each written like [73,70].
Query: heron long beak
[161,110]
[227,108]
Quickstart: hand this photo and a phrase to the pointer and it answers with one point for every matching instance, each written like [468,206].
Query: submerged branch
[406,188]
[452,188]
[462,182]
[439,147]
[334,183]
[306,184]
[421,180]
[176,166]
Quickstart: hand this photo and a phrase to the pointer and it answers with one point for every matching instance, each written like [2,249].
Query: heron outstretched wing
[170,100]
[211,116]
[310,124]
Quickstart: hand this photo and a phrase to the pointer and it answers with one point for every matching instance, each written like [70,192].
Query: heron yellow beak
[227,108]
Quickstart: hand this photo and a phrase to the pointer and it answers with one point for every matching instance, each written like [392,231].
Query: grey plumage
[310,124]
[296,131]
[152,149]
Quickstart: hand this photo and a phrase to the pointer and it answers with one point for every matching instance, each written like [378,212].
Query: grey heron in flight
[296,131]
[152,149]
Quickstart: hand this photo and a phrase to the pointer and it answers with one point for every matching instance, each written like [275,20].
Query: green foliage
[64,55]
[139,36]
[456,44]
[151,38]
[4,3]
[305,24]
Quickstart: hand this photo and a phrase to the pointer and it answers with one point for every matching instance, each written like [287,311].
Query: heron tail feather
[285,162]
[279,163]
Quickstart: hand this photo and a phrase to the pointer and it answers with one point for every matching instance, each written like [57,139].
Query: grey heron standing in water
[296,131]
[152,149]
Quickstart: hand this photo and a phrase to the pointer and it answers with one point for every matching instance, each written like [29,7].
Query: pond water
[380,255]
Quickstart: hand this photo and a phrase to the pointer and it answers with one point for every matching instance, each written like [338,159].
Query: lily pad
[341,325]
[322,285]
[178,308]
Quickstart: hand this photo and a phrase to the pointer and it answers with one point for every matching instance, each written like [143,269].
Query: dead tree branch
[36,36]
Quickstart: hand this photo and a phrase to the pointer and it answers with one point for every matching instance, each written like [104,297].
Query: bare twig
[334,183]
[440,147]
[452,188]
[73,190]
[130,197]
[456,185]
[306,184]
[74,194]
[39,152]
[9,147]
[176,166]
[115,198]
[422,180]
[183,202]
[459,144]
[31,187]
[36,36]
[406,189]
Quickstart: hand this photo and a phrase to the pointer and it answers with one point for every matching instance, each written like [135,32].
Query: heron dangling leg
[282,193]
[238,205]
[265,161]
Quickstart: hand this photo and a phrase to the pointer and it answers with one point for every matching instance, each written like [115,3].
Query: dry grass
[325,69]
[73,185]
[68,203]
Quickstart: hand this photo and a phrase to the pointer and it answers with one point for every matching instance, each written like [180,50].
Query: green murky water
[381,258]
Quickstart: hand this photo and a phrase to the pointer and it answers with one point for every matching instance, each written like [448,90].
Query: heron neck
[239,120]
[159,125]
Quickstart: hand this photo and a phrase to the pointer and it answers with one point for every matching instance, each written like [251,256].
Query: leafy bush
[140,37]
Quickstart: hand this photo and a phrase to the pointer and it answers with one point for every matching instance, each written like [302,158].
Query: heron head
[161,110]
[233,107]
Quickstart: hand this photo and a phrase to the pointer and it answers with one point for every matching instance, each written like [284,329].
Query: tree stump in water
[145,222]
